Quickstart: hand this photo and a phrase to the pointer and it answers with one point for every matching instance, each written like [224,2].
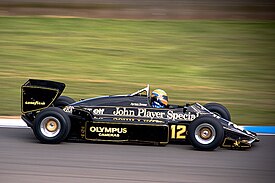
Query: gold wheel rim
[51,125]
[205,133]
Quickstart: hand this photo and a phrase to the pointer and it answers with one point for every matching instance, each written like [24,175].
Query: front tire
[206,133]
[219,110]
[52,125]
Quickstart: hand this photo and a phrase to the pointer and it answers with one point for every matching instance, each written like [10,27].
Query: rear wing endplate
[39,94]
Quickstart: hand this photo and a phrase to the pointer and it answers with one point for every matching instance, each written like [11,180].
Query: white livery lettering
[108,131]
[98,111]
[143,113]
[123,112]
[150,114]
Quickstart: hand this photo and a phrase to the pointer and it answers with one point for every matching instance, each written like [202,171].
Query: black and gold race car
[127,119]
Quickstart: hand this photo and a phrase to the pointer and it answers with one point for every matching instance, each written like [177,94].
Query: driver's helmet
[159,99]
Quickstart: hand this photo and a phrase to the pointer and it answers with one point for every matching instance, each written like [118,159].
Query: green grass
[231,62]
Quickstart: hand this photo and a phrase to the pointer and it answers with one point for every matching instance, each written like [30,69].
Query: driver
[159,99]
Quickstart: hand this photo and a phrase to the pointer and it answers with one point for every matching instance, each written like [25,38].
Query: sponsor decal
[35,103]
[235,126]
[124,112]
[139,120]
[108,131]
[82,131]
[182,116]
[124,119]
[143,112]
[96,111]
[127,113]
[68,109]
[150,114]
[138,104]
[151,121]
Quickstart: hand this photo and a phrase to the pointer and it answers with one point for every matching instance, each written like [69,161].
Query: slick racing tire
[219,110]
[206,133]
[52,125]
[63,101]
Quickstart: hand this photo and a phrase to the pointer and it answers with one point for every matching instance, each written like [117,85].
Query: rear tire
[206,133]
[63,101]
[219,110]
[52,125]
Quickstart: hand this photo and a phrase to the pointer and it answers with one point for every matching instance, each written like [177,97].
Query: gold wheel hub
[51,125]
[205,133]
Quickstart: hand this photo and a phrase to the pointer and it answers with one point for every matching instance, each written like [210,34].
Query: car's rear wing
[39,94]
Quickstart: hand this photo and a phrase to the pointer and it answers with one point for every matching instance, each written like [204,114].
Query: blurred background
[197,51]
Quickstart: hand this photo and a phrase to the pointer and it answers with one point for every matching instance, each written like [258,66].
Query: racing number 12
[177,131]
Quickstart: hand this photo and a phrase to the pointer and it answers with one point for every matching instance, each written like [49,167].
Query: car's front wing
[237,138]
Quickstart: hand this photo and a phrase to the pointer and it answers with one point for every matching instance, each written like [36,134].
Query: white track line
[13,123]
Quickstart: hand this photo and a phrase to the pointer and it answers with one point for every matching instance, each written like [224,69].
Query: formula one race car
[127,119]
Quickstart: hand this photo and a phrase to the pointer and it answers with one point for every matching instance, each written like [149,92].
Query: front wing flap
[237,138]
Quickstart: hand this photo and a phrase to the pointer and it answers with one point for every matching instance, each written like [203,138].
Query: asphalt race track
[24,159]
